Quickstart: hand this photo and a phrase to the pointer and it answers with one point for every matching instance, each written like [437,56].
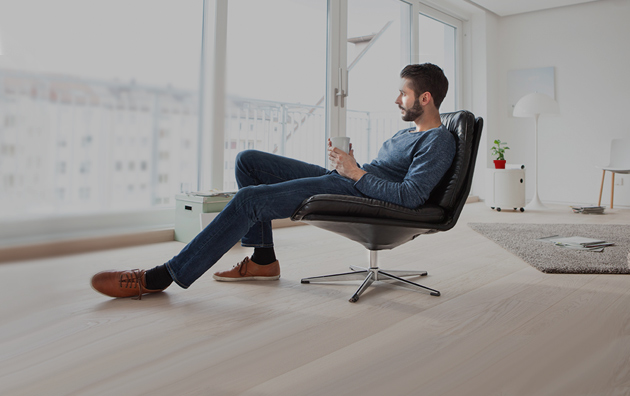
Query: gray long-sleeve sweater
[408,166]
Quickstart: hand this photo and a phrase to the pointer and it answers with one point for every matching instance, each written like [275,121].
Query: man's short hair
[427,77]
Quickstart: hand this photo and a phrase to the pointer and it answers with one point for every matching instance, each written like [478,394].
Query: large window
[100,101]
[98,104]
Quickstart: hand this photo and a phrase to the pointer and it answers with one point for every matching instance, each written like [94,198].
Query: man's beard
[413,113]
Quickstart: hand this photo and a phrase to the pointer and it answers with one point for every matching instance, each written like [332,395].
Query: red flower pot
[499,164]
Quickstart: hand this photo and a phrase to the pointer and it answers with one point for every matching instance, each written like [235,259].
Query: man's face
[408,103]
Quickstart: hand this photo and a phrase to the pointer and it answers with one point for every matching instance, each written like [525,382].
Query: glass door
[299,71]
[438,43]
[275,80]
[378,47]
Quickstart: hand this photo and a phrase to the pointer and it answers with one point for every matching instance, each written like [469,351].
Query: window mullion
[212,102]
[415,32]
[336,66]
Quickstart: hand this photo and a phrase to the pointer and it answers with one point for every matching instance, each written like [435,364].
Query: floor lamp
[533,105]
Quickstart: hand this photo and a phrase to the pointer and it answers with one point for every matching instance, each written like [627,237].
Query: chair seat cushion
[617,170]
[349,206]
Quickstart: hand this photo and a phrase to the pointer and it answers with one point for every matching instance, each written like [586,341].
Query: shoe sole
[248,278]
[100,292]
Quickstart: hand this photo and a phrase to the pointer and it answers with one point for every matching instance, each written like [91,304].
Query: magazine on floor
[577,242]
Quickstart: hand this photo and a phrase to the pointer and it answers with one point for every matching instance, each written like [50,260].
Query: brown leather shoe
[121,283]
[249,270]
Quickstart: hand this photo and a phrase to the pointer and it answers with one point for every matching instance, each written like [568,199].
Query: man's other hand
[344,163]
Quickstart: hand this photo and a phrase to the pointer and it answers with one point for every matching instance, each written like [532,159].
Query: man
[408,167]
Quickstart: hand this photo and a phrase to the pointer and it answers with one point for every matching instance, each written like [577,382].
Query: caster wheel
[522,209]
[492,207]
[498,209]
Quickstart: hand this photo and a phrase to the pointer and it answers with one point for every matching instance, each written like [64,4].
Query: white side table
[505,188]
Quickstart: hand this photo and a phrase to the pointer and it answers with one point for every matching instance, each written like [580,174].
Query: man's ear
[426,98]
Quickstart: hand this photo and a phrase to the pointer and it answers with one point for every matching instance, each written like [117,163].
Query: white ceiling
[511,7]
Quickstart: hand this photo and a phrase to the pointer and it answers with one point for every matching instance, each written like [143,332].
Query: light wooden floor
[499,328]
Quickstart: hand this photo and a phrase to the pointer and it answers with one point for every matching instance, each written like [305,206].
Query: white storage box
[190,207]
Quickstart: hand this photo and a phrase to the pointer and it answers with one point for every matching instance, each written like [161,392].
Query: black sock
[158,278]
[263,256]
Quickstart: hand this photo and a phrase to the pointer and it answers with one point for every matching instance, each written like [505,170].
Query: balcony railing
[298,131]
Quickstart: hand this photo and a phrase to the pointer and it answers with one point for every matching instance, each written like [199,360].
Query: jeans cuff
[172,274]
[257,245]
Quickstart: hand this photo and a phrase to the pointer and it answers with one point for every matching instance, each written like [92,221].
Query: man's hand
[344,163]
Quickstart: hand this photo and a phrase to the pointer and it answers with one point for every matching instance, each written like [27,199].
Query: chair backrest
[620,153]
[452,191]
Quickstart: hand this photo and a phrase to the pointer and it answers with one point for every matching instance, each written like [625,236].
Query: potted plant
[499,152]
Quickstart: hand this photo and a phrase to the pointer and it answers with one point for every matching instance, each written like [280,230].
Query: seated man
[408,167]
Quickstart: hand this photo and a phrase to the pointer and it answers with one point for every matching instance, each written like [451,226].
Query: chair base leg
[395,272]
[372,274]
[601,189]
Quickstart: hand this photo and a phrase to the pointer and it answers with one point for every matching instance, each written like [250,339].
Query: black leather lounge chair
[379,225]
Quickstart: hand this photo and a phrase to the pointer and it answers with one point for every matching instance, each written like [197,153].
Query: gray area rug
[520,239]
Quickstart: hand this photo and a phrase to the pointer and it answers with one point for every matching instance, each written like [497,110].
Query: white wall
[484,85]
[587,45]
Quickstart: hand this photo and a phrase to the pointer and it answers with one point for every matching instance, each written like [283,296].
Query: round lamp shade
[535,103]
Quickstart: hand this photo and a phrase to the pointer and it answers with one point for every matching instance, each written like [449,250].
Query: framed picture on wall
[525,81]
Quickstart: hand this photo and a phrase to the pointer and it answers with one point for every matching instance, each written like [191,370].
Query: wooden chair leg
[612,190]
[601,189]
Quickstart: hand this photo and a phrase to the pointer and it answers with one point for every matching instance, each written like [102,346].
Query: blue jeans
[270,187]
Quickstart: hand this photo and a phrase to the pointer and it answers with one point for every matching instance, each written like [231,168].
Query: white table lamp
[533,105]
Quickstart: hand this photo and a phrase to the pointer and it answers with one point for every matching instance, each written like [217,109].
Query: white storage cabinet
[505,188]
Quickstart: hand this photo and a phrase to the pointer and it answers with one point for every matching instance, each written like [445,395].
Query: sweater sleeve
[430,163]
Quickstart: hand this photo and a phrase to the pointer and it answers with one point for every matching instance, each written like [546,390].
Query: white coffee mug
[341,142]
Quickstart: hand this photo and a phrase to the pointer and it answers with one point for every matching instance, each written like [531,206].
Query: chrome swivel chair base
[369,275]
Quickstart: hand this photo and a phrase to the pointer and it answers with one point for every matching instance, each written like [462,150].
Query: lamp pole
[536,203]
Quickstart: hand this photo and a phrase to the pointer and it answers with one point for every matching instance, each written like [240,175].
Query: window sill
[74,245]
[83,245]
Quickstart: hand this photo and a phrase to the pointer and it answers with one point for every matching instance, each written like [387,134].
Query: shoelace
[243,266]
[132,278]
